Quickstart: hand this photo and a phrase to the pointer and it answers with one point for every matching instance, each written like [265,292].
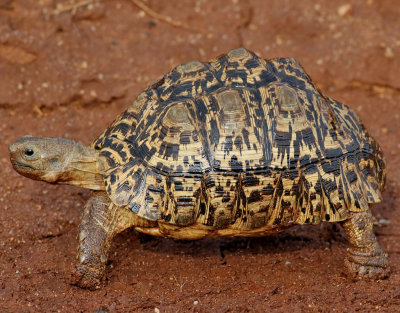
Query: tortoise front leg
[98,227]
[365,257]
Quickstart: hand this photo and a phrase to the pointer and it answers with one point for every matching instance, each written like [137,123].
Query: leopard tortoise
[238,146]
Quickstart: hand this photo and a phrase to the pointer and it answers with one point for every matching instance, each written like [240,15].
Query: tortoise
[238,146]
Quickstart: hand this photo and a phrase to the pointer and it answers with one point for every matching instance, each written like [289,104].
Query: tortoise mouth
[18,165]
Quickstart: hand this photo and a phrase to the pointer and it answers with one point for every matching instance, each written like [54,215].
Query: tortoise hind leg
[98,227]
[365,257]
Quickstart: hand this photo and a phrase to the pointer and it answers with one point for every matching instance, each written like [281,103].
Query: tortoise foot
[367,266]
[86,277]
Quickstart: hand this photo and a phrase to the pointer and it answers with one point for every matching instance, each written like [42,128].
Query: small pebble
[389,53]
[344,9]
[288,263]
[195,302]
[384,221]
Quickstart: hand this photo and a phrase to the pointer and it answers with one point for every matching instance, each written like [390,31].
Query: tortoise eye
[29,152]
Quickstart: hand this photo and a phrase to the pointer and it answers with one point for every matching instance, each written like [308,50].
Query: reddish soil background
[68,68]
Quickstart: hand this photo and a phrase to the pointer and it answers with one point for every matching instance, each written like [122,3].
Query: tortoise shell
[240,142]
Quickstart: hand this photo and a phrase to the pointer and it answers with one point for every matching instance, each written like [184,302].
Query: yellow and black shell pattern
[240,142]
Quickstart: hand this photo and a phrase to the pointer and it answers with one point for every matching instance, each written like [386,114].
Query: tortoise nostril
[12,148]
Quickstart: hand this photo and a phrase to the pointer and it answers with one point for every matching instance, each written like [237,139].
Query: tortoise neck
[82,169]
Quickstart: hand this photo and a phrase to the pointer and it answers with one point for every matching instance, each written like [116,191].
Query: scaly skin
[98,227]
[365,257]
[101,221]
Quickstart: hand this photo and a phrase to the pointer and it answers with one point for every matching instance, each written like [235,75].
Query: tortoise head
[56,160]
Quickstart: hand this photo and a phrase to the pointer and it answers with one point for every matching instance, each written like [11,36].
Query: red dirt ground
[68,70]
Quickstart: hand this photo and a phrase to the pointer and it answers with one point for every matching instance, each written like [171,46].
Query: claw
[372,267]
[86,277]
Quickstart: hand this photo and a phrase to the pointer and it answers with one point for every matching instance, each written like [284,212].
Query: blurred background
[67,68]
[56,52]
